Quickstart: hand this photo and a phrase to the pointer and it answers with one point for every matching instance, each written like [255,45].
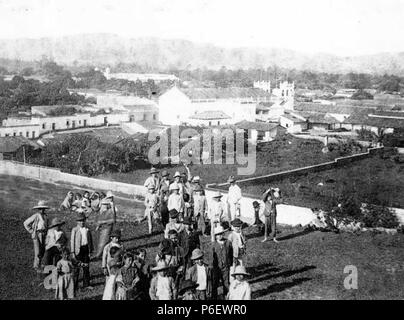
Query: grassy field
[286,152]
[373,179]
[302,266]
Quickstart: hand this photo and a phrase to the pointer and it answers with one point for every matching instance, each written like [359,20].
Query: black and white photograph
[212,150]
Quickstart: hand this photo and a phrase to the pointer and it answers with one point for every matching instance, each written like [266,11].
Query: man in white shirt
[199,273]
[234,198]
[216,212]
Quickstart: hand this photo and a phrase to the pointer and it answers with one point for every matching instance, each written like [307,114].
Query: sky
[342,27]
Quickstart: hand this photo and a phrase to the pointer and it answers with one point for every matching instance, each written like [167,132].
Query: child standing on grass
[106,255]
[151,202]
[239,288]
[114,267]
[127,279]
[65,282]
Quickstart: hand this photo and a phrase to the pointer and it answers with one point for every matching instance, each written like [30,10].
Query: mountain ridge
[162,54]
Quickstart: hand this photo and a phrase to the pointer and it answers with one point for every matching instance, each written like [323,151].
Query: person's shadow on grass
[278,287]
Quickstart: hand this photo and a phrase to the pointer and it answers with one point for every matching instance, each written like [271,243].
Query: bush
[379,216]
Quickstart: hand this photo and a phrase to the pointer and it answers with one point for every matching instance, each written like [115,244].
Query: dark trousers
[83,257]
[52,256]
[270,226]
[220,277]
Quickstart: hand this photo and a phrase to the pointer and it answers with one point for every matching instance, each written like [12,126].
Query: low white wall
[287,214]
[52,175]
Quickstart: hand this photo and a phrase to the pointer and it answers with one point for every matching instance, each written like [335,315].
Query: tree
[362,95]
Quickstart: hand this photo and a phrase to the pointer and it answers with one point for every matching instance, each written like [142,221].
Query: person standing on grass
[238,241]
[216,213]
[165,180]
[153,179]
[222,260]
[176,200]
[81,244]
[37,226]
[55,242]
[234,198]
[200,209]
[106,221]
[65,280]
[178,182]
[239,288]
[151,203]
[188,241]
[174,223]
[257,211]
[106,256]
[272,197]
[200,274]
[164,213]
[162,286]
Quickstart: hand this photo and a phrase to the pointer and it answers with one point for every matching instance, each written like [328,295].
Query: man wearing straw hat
[178,181]
[234,198]
[239,288]
[200,274]
[106,221]
[37,226]
[151,203]
[154,179]
[162,287]
[200,209]
[55,241]
[216,212]
[222,259]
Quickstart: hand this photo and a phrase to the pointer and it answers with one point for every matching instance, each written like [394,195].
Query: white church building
[195,106]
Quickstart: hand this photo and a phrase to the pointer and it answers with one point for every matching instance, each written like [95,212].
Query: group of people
[180,269]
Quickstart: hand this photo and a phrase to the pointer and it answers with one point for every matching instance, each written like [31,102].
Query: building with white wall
[177,105]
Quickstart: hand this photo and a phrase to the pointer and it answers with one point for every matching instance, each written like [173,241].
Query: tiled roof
[225,93]
[12,144]
[322,108]
[210,115]
[365,118]
[292,118]
[260,126]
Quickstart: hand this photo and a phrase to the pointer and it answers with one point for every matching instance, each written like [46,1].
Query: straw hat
[41,205]
[153,170]
[187,285]
[177,174]
[240,270]
[161,265]
[174,186]
[196,254]
[231,179]
[109,195]
[219,230]
[165,173]
[196,178]
[217,194]
[56,222]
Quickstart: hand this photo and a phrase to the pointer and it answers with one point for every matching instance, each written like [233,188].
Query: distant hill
[109,49]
